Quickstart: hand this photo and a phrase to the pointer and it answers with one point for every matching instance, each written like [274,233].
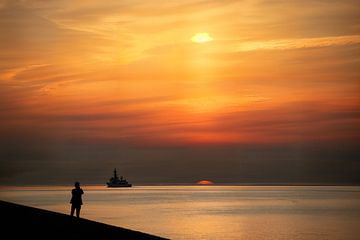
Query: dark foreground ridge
[22,222]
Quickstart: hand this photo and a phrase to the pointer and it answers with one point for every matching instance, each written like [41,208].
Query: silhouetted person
[76,200]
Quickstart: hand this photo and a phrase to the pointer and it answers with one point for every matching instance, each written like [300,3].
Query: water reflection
[212,212]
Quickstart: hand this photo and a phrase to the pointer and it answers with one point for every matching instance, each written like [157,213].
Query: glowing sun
[205,182]
[201,38]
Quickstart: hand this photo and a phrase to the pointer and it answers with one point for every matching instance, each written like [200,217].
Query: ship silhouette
[115,181]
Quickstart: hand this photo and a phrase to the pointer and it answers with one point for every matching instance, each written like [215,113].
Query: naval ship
[115,181]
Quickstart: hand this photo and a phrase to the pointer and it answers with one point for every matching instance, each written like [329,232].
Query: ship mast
[115,175]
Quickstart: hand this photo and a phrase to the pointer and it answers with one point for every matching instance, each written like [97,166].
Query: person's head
[77,184]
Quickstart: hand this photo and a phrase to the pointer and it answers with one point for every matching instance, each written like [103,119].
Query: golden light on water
[202,37]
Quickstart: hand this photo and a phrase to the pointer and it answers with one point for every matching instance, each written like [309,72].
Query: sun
[202,37]
[205,182]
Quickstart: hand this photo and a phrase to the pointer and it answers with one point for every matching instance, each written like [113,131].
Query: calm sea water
[212,212]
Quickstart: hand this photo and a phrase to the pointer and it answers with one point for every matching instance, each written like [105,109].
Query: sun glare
[205,182]
[201,38]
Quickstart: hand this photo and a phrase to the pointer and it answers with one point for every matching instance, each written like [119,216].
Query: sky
[178,91]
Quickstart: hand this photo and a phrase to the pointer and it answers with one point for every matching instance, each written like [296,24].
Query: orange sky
[274,71]
[88,81]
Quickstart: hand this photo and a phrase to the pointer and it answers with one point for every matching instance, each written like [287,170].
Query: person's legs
[78,211]
[72,210]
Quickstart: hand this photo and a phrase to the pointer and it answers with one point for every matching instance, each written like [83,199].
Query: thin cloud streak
[284,44]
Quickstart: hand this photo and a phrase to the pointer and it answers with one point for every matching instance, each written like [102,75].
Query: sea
[211,212]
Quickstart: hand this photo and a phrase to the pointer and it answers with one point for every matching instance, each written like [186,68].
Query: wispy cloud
[284,44]
[9,74]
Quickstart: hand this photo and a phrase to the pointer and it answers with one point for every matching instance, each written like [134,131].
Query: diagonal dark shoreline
[22,222]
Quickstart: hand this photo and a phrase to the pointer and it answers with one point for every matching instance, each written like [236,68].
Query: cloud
[51,44]
[10,74]
[283,44]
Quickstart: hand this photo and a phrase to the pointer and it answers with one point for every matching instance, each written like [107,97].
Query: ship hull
[118,185]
